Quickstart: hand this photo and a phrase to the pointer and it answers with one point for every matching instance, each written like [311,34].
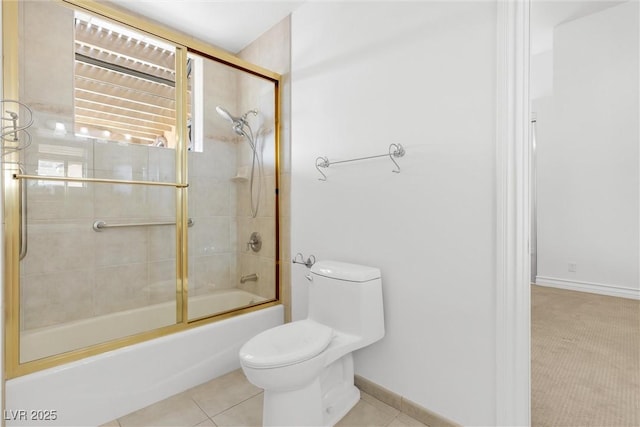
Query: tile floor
[231,400]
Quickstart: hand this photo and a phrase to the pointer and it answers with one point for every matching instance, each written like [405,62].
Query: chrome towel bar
[395,150]
[101,225]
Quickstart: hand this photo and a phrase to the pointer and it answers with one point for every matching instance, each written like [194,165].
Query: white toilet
[306,367]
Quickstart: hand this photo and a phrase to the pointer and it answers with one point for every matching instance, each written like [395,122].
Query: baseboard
[403,404]
[594,288]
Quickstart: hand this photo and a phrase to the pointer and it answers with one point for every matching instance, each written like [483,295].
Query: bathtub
[42,342]
[98,389]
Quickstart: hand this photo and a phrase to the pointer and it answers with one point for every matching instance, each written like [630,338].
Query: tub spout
[253,277]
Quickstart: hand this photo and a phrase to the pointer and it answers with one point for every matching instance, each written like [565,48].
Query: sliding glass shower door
[98,181]
[232,182]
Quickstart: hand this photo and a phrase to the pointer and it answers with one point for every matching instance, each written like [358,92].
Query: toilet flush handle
[309,277]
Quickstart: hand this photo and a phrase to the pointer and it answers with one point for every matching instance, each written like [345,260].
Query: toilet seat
[286,344]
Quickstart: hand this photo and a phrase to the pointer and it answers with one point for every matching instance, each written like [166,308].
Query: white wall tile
[56,247]
[56,297]
[162,243]
[120,246]
[121,160]
[120,287]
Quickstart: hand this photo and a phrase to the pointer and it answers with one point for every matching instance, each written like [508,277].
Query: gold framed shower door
[11,179]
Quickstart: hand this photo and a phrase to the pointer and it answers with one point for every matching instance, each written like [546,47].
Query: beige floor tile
[222,393]
[246,414]
[113,423]
[364,414]
[178,410]
[378,404]
[207,423]
[404,420]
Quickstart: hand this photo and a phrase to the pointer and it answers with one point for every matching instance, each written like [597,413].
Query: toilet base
[293,408]
[323,402]
[335,413]
[339,392]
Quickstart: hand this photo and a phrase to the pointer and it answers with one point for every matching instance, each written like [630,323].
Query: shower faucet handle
[255,242]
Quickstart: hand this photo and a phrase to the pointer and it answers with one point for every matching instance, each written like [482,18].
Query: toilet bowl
[306,367]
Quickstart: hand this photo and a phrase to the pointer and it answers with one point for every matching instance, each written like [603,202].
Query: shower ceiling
[229,24]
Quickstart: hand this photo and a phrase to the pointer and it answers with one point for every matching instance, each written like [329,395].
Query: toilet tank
[348,298]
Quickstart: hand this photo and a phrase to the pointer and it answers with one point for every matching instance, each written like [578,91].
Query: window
[60,160]
[124,84]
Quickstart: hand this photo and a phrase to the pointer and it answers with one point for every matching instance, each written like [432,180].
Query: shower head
[226,115]
[241,126]
[238,123]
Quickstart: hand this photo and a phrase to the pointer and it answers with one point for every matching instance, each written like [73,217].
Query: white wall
[588,156]
[542,74]
[422,74]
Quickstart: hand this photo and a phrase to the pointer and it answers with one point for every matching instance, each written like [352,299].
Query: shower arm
[244,116]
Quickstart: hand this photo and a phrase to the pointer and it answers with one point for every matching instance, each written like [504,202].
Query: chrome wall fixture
[255,242]
[249,277]
[241,127]
[299,259]
[395,150]
[14,136]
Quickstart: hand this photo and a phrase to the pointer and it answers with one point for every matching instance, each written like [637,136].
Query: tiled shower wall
[73,272]
[212,192]
[272,50]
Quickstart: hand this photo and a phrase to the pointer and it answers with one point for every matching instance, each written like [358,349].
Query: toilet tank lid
[344,271]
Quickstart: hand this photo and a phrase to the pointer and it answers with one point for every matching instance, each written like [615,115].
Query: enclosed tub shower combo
[140,173]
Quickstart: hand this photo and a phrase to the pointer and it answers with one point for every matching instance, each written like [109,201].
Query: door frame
[513,298]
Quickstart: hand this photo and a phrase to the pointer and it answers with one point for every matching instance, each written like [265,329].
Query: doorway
[585,216]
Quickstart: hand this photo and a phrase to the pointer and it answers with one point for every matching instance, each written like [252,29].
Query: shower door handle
[22,202]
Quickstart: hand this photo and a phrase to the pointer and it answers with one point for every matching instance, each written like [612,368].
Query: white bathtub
[101,388]
[42,342]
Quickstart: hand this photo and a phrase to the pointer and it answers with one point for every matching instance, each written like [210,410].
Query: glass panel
[78,286]
[81,287]
[231,190]
[94,81]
